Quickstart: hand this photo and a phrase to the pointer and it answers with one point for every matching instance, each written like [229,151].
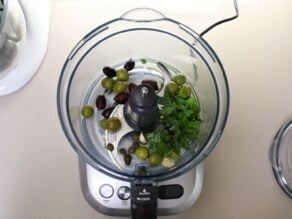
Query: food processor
[143,99]
[24,29]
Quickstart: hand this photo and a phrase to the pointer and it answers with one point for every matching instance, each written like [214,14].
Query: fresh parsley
[180,122]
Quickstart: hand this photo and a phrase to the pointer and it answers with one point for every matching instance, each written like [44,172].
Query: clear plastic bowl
[141,34]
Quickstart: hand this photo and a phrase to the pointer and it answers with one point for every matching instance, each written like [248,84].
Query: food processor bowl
[161,48]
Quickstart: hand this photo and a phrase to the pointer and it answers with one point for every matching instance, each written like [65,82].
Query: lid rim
[282,183]
[275,158]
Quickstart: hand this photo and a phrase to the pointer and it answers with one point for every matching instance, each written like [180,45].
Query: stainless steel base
[112,197]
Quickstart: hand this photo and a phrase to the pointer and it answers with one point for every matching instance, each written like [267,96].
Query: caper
[171,88]
[185,91]
[142,152]
[154,159]
[111,124]
[127,159]
[87,111]
[179,79]
[123,151]
[107,83]
[135,136]
[119,87]
[144,61]
[110,147]
[142,171]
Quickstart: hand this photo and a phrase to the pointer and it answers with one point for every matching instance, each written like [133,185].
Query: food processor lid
[281,157]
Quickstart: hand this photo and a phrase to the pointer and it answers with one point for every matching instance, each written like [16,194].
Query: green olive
[111,124]
[119,87]
[103,123]
[185,91]
[174,155]
[87,111]
[142,152]
[154,159]
[179,79]
[122,74]
[171,88]
[107,83]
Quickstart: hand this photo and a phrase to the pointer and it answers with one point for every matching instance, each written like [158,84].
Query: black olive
[100,102]
[121,98]
[131,87]
[129,65]
[107,112]
[110,72]
[152,83]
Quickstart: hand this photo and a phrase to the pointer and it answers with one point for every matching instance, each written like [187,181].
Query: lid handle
[143,15]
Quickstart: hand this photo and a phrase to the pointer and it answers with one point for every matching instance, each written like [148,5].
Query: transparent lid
[281,157]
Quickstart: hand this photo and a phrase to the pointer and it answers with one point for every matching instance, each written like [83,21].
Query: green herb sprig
[180,120]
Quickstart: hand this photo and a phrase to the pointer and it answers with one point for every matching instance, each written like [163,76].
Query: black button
[172,191]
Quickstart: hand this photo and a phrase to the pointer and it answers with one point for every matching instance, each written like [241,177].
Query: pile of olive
[179,87]
[140,150]
[114,81]
[117,81]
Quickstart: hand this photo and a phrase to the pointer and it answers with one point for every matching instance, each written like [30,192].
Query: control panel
[113,197]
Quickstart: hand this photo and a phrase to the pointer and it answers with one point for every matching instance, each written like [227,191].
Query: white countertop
[39,170]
